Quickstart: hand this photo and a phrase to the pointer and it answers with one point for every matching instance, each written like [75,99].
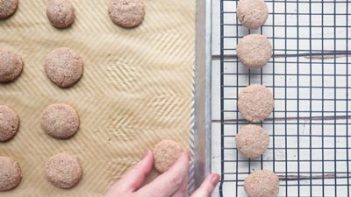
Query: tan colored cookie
[9,123]
[63,170]
[252,13]
[255,103]
[60,13]
[64,67]
[254,51]
[11,66]
[262,183]
[252,141]
[127,13]
[60,121]
[166,153]
[7,8]
[10,173]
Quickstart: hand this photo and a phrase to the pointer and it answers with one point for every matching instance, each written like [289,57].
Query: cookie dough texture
[60,13]
[252,141]
[10,173]
[127,13]
[252,13]
[254,51]
[262,183]
[255,103]
[64,67]
[166,154]
[63,170]
[60,121]
[11,65]
[7,8]
[9,123]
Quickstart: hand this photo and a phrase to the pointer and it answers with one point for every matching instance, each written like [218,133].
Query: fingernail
[146,153]
[215,179]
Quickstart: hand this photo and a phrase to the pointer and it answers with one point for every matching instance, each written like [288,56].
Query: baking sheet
[136,89]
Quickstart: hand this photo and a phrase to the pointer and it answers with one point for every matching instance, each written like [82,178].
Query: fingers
[170,181]
[207,186]
[181,192]
[134,178]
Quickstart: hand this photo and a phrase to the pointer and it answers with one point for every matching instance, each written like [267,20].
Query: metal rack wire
[309,76]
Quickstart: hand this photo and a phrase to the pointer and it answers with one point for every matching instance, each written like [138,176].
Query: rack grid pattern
[309,76]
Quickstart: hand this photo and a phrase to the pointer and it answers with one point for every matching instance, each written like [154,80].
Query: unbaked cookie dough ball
[60,13]
[63,170]
[252,141]
[262,183]
[252,13]
[255,103]
[9,123]
[64,67]
[60,121]
[166,154]
[10,173]
[7,8]
[127,13]
[11,66]
[254,51]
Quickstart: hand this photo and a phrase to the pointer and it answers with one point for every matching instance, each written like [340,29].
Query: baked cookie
[252,141]
[166,153]
[11,66]
[60,121]
[63,170]
[255,103]
[9,123]
[8,8]
[252,13]
[60,13]
[10,173]
[262,183]
[254,51]
[127,13]
[64,67]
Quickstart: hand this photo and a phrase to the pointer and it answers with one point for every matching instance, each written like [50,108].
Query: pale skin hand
[172,183]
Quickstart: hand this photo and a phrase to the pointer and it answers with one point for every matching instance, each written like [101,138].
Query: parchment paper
[136,89]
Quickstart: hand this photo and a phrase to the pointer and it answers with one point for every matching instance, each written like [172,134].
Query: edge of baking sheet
[201,132]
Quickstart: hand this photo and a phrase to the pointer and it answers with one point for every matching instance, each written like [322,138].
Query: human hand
[172,183]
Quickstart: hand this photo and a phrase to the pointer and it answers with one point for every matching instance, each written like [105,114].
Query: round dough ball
[63,170]
[60,121]
[254,51]
[8,8]
[60,13]
[255,103]
[262,183]
[252,13]
[252,141]
[64,67]
[166,154]
[127,13]
[10,173]
[11,66]
[9,123]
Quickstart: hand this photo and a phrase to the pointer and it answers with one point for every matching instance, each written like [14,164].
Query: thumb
[134,178]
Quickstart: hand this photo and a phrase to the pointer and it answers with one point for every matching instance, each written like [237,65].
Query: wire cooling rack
[309,77]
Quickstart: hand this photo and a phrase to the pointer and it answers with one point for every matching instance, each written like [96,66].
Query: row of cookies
[63,66]
[61,13]
[59,120]
[64,170]
[255,102]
